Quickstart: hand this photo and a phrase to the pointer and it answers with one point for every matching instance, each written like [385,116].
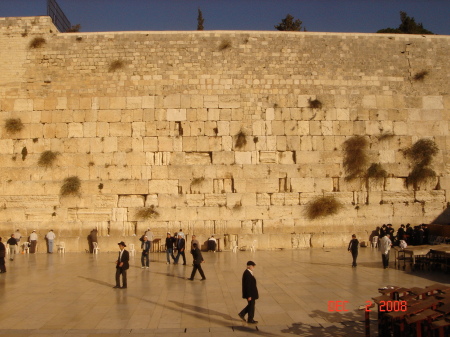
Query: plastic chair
[375,242]
[7,249]
[132,250]
[95,249]
[61,247]
[26,247]
[234,246]
[253,246]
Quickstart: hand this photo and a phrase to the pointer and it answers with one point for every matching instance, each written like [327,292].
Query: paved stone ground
[71,294]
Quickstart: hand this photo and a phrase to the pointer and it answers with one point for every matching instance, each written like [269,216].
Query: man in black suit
[181,245]
[249,292]
[122,266]
[198,260]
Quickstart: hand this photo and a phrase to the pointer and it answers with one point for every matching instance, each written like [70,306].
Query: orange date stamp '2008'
[383,306]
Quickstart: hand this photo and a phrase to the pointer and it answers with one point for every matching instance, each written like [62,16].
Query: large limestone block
[176,114]
[302,184]
[301,241]
[163,186]
[198,158]
[433,102]
[131,201]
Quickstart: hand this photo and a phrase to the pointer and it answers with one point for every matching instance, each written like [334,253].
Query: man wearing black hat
[249,292]
[122,266]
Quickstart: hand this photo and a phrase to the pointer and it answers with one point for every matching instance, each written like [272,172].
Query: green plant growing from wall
[47,158]
[376,171]
[322,207]
[116,65]
[420,76]
[197,181]
[421,154]
[71,186]
[225,44]
[147,213]
[36,42]
[241,140]
[314,104]
[13,125]
[355,157]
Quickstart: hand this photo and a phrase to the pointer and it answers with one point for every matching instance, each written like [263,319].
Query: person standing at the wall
[169,247]
[17,236]
[12,247]
[33,242]
[249,292]
[145,260]
[385,247]
[353,248]
[122,266]
[2,257]
[50,239]
[193,241]
[198,260]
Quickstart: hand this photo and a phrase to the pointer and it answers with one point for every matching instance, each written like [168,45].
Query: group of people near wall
[249,288]
[13,244]
[413,236]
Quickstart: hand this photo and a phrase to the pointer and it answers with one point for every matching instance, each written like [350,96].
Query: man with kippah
[249,292]
[122,265]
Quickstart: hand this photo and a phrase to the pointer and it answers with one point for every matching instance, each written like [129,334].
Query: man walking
[198,260]
[249,292]
[353,248]
[145,260]
[50,238]
[169,247]
[385,247]
[12,246]
[122,266]
[181,245]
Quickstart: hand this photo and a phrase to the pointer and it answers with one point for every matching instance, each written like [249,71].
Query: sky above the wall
[362,16]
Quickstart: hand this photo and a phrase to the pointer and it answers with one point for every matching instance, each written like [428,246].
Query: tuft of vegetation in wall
[197,181]
[116,65]
[420,76]
[314,104]
[322,207]
[241,140]
[355,157]
[421,154]
[147,213]
[376,171]
[71,186]
[13,125]
[37,42]
[385,136]
[47,158]
[225,44]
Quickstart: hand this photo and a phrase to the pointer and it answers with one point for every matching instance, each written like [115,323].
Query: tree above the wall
[408,25]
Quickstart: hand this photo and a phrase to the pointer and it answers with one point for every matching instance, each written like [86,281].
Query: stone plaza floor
[71,294]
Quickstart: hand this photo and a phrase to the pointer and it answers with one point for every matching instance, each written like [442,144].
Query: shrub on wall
[314,104]
[376,171]
[13,125]
[147,213]
[420,76]
[71,186]
[36,42]
[225,44]
[47,158]
[322,206]
[421,154]
[241,140]
[116,65]
[355,157]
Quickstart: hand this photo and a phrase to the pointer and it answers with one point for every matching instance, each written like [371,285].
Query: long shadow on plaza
[348,324]
[198,312]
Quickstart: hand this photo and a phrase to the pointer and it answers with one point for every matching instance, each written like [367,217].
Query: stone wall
[215,131]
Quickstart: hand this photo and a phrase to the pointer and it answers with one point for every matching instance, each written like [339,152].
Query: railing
[58,17]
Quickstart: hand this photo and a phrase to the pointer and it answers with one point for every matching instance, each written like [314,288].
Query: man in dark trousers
[198,260]
[145,259]
[181,245]
[249,292]
[122,266]
[353,248]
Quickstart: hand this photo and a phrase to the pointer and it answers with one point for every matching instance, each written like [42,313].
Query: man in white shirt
[50,238]
[150,237]
[385,246]
[17,236]
[33,242]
